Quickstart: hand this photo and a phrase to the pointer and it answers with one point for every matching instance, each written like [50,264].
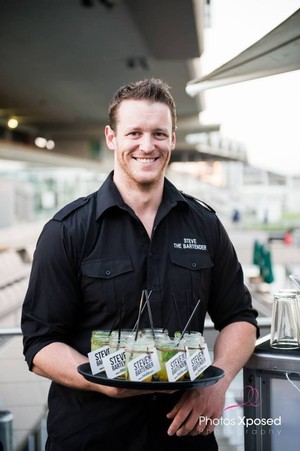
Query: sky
[264,113]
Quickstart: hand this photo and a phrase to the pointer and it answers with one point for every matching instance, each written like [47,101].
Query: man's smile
[145,160]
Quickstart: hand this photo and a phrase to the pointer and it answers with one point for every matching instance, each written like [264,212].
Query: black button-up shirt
[92,261]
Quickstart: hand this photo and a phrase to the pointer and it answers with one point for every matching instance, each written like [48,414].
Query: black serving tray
[210,376]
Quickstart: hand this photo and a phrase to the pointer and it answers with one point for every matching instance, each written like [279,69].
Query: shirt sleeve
[51,302]
[230,299]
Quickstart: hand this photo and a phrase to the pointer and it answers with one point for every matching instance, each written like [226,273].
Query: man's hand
[195,411]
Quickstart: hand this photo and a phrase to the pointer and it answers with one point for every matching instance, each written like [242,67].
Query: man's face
[143,141]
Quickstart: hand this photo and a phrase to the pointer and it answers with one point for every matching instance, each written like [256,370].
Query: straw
[168,319]
[177,312]
[139,315]
[118,315]
[136,323]
[187,307]
[120,322]
[149,312]
[189,320]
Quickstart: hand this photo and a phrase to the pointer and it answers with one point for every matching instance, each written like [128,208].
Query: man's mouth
[145,160]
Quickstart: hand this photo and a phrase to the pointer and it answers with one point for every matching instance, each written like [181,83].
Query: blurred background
[234,72]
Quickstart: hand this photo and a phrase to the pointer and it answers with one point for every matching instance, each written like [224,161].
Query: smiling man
[142,137]
[97,254]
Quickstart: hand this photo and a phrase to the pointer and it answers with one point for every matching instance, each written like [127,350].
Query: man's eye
[160,135]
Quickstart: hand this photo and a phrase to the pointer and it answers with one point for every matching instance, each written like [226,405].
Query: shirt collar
[172,195]
[108,196]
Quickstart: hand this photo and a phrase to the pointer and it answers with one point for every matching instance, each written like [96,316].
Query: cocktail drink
[137,347]
[118,338]
[194,342]
[158,333]
[99,338]
[167,348]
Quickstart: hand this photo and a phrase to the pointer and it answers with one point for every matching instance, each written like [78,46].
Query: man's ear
[173,141]
[110,137]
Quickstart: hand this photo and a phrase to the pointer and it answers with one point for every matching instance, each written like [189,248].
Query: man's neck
[143,200]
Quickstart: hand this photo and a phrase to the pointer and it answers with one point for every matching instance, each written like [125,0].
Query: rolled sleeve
[230,298]
[52,293]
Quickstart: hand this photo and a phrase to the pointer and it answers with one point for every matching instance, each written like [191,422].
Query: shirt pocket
[192,262]
[107,268]
[190,281]
[104,282]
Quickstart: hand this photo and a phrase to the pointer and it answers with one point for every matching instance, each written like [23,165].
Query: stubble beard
[143,185]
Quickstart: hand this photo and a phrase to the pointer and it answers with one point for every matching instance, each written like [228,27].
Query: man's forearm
[59,362]
[233,347]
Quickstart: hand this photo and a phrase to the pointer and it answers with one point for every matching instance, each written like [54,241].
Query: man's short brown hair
[154,90]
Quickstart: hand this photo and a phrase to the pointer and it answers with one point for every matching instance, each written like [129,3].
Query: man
[137,232]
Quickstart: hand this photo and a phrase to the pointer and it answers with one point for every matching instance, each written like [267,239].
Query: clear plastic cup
[167,348]
[99,338]
[285,325]
[194,342]
[135,348]
[194,338]
[118,339]
[156,331]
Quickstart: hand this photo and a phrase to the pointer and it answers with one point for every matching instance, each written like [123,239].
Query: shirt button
[194,265]
[107,272]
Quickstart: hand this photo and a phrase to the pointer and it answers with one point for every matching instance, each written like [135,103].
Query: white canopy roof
[275,53]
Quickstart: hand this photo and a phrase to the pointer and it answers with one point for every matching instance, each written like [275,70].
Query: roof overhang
[275,53]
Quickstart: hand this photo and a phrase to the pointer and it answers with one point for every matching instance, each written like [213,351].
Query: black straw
[149,312]
[118,318]
[187,306]
[139,315]
[120,322]
[136,323]
[189,320]
[177,311]
[168,319]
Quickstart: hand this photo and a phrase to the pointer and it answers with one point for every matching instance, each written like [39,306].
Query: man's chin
[150,181]
[147,184]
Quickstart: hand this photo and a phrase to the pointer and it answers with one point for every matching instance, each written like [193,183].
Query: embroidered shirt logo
[190,243]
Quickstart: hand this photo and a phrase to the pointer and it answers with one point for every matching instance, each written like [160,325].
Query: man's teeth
[146,160]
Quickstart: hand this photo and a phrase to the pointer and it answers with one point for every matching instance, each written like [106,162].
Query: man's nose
[147,143]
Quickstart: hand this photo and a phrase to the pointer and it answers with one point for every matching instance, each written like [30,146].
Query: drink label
[143,366]
[114,363]
[198,361]
[176,366]
[96,359]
